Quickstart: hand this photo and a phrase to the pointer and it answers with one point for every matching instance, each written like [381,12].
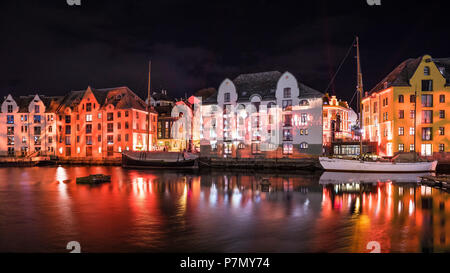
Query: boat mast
[415,122]
[360,90]
[148,106]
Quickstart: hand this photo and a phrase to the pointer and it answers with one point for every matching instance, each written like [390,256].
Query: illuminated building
[390,111]
[28,125]
[262,115]
[101,123]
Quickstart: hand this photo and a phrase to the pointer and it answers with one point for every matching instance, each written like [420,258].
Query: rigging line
[340,66]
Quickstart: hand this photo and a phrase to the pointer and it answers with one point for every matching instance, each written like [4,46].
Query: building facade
[337,124]
[408,110]
[29,126]
[263,115]
[101,123]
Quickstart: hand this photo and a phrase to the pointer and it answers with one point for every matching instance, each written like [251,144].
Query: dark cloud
[52,48]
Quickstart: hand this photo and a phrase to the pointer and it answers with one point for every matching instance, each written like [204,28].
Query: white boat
[349,165]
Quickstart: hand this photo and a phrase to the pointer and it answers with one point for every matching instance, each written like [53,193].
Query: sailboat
[361,165]
[156,159]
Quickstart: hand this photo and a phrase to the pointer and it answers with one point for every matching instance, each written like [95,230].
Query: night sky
[49,47]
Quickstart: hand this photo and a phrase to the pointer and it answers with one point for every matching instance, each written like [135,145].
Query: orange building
[101,123]
[415,97]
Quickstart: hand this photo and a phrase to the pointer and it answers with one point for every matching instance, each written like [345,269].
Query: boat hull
[347,165]
[154,161]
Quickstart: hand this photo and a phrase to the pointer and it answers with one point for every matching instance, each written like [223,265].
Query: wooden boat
[94,179]
[163,160]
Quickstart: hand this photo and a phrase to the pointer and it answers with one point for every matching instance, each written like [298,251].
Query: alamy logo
[374,2]
[74,2]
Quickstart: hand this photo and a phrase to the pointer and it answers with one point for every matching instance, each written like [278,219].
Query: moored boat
[94,179]
[164,160]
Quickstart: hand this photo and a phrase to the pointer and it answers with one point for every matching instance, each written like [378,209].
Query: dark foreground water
[42,209]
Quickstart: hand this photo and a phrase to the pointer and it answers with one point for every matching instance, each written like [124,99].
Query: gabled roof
[401,75]
[263,84]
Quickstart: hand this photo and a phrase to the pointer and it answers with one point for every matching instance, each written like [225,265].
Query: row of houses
[257,115]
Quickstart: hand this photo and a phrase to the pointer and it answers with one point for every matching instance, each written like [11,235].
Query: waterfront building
[409,109]
[28,125]
[336,124]
[262,115]
[101,123]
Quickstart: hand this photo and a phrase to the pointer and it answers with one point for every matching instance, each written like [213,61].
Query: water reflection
[41,209]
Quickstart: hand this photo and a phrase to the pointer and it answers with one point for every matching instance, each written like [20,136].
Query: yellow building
[389,109]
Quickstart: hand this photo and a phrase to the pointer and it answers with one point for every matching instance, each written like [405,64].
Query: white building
[268,114]
[28,125]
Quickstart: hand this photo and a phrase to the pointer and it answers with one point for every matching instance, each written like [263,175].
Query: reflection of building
[268,115]
[390,109]
[28,125]
[101,123]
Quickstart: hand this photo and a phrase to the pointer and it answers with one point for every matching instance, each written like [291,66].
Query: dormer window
[226,97]
[286,92]
[442,70]
[426,71]
[10,108]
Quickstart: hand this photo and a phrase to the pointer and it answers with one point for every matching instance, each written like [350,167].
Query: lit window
[286,93]
[89,117]
[426,150]
[441,131]
[441,147]
[401,147]
[288,148]
[401,131]
[303,145]
[426,71]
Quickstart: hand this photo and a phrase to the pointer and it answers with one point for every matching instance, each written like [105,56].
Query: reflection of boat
[171,160]
[94,179]
[349,165]
[351,177]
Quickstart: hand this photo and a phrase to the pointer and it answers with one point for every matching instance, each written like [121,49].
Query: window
[67,119]
[50,139]
[126,137]
[287,135]
[37,140]
[99,115]
[426,133]
[286,93]
[119,138]
[426,150]
[256,148]
[287,120]
[11,151]
[99,126]
[50,129]
[303,145]
[401,114]
[426,71]
[412,98]
[110,139]
[67,140]
[441,147]
[304,103]
[227,148]
[412,114]
[441,113]
[88,107]
[110,116]
[427,100]
[288,148]
[68,129]
[36,109]
[37,119]
[411,147]
[375,107]
[441,98]
[10,140]
[89,117]
[241,146]
[88,128]
[37,130]
[411,131]
[126,113]
[303,119]
[226,97]
[10,131]
[118,114]
[427,116]
[99,138]
[110,127]
[441,131]
[401,131]
[287,105]
[401,99]
[78,139]
[10,119]
[88,140]
[88,150]
[427,85]
[401,147]
[119,125]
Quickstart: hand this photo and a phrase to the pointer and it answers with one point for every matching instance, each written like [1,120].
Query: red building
[101,123]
